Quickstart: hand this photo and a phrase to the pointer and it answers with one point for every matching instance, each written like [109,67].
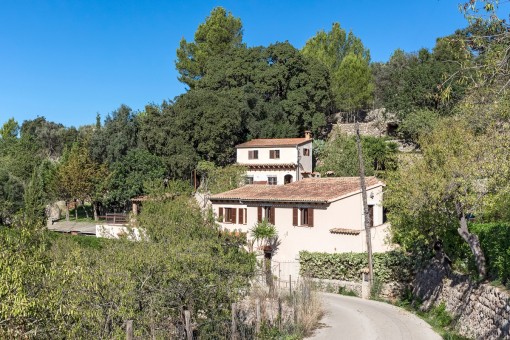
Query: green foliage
[77,287]
[495,240]
[50,138]
[458,170]
[217,179]
[389,266]
[340,156]
[130,173]
[118,135]
[9,130]
[417,123]
[220,32]
[422,80]
[347,62]
[263,232]
[352,84]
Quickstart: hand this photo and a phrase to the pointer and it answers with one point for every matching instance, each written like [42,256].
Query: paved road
[352,318]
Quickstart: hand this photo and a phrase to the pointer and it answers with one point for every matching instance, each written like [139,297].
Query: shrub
[495,241]
[390,266]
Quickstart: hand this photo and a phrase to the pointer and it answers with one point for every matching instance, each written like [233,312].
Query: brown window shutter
[234,217]
[245,215]
[271,154]
[259,214]
[310,217]
[272,217]
[241,218]
[220,214]
[294,216]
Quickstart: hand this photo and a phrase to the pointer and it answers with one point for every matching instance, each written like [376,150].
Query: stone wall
[374,129]
[481,311]
[389,291]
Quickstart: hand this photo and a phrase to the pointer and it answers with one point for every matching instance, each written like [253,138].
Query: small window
[306,152]
[274,154]
[230,215]
[304,216]
[248,180]
[272,180]
[253,154]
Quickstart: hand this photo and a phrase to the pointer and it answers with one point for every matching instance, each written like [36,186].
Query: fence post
[234,327]
[187,320]
[129,330]
[295,309]
[257,316]
[280,313]
[290,284]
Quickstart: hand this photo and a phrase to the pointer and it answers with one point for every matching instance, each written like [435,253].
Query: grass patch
[346,291]
[438,317]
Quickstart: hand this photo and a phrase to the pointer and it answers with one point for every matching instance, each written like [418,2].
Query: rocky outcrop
[481,311]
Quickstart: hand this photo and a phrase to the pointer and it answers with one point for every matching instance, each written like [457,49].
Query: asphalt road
[353,318]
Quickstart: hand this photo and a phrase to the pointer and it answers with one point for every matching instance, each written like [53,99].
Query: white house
[314,214]
[276,161]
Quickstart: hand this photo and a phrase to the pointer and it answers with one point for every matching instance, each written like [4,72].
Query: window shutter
[241,218]
[234,217]
[259,214]
[272,217]
[245,215]
[271,154]
[220,214]
[310,217]
[294,216]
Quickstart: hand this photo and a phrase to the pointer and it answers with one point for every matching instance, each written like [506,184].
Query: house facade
[313,214]
[276,161]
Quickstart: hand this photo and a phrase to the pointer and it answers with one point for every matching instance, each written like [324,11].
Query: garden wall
[481,310]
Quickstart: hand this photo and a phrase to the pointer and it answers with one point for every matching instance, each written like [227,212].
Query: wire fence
[274,308]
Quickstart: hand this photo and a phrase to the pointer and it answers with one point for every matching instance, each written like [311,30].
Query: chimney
[308,134]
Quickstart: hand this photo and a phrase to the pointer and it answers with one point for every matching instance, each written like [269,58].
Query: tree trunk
[76,210]
[473,242]
[85,210]
[67,211]
[94,208]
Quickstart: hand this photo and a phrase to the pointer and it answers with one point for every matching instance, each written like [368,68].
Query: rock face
[481,311]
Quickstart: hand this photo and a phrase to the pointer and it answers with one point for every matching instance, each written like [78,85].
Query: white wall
[261,175]
[287,155]
[305,162]
[117,231]
[346,213]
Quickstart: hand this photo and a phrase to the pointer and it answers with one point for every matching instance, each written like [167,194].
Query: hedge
[495,242]
[389,266]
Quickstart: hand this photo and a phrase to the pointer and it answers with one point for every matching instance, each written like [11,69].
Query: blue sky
[69,60]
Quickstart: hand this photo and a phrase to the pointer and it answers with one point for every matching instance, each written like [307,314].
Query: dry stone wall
[481,311]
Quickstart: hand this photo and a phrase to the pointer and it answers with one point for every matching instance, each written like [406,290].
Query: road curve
[352,318]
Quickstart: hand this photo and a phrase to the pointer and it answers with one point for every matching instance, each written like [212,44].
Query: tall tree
[220,32]
[353,85]
[459,169]
[330,49]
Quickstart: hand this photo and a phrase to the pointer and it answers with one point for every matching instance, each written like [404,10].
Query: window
[243,215]
[274,154]
[302,217]
[253,154]
[272,180]
[267,213]
[227,215]
[248,180]
[306,152]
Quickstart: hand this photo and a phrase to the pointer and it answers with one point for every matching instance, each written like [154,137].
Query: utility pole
[365,205]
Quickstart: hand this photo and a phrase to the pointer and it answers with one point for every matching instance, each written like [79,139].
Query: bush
[389,266]
[495,241]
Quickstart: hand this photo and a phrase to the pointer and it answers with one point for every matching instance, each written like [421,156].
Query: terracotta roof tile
[269,142]
[322,190]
